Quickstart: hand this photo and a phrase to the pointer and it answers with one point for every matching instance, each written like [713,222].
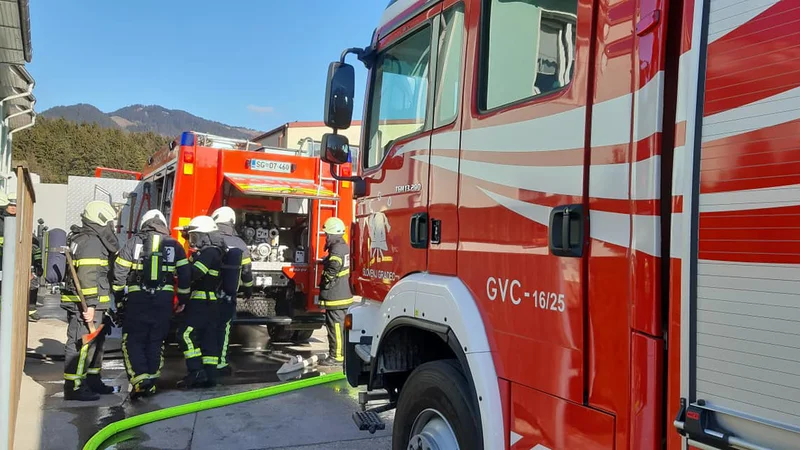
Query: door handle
[566,230]
[419,230]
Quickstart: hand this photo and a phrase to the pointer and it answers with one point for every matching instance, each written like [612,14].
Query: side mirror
[339,95]
[335,149]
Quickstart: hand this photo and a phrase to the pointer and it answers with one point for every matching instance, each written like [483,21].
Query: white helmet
[202,224]
[152,214]
[224,214]
[99,212]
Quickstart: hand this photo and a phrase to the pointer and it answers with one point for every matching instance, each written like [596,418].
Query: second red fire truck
[281,197]
[577,223]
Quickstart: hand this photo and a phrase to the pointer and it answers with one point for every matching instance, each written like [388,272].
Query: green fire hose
[167,413]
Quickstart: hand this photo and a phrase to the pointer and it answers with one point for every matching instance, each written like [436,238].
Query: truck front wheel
[435,410]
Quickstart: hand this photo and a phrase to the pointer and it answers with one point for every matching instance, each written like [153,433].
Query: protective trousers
[198,337]
[226,311]
[145,328]
[82,359]
[334,322]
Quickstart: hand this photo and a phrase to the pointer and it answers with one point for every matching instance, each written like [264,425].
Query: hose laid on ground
[167,413]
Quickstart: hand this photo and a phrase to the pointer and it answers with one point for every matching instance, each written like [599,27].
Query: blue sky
[253,63]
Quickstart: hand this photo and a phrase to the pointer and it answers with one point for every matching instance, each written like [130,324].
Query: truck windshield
[399,96]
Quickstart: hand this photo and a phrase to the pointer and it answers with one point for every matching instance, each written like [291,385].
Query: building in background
[16,84]
[306,136]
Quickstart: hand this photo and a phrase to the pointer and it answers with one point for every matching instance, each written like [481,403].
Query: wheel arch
[442,306]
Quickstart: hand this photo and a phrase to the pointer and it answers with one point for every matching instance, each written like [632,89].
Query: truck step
[363,351]
[368,421]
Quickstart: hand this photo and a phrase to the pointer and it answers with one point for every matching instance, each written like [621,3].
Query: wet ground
[314,418]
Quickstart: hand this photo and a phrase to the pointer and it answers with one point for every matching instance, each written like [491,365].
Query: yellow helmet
[99,212]
[3,200]
[334,225]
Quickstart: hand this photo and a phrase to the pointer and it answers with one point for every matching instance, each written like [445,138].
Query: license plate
[264,165]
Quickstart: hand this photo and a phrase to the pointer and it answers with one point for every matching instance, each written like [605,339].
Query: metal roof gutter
[25,28]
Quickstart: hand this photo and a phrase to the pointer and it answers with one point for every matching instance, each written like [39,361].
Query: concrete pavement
[314,418]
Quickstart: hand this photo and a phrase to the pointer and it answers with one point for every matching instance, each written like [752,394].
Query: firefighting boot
[211,375]
[146,388]
[81,394]
[151,388]
[330,361]
[97,386]
[138,391]
[195,379]
[225,371]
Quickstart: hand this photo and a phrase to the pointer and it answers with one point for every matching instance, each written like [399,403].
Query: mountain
[148,118]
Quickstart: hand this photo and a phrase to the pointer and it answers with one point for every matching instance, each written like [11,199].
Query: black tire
[442,386]
[279,333]
[302,336]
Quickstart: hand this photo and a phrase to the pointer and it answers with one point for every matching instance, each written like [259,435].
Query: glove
[118,316]
[108,322]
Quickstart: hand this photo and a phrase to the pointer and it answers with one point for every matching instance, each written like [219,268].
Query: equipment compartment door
[393,223]
[741,295]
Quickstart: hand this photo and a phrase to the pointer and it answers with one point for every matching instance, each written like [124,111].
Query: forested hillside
[57,148]
[155,118]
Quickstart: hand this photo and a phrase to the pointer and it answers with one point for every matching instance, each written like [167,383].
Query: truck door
[392,218]
[522,180]
[445,138]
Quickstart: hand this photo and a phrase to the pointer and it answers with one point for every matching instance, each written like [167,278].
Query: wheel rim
[431,431]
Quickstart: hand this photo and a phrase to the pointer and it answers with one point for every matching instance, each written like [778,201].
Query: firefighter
[225,218]
[335,295]
[198,334]
[8,206]
[92,245]
[147,266]
[37,269]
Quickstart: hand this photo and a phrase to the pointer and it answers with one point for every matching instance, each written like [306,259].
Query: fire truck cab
[576,223]
[281,198]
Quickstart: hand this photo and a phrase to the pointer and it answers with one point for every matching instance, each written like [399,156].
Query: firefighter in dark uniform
[198,334]
[8,207]
[335,295]
[147,309]
[93,245]
[225,218]
[37,269]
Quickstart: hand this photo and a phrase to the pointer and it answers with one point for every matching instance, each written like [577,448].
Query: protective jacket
[232,240]
[206,264]
[93,249]
[128,269]
[335,284]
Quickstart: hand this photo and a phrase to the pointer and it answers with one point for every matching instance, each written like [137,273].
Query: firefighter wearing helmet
[335,295]
[147,267]
[225,217]
[198,333]
[93,245]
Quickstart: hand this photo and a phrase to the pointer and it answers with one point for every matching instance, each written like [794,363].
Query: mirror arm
[359,184]
[365,55]
[354,178]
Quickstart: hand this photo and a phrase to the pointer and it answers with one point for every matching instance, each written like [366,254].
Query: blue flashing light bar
[187,139]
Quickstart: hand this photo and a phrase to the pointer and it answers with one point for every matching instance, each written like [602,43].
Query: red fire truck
[281,197]
[577,223]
